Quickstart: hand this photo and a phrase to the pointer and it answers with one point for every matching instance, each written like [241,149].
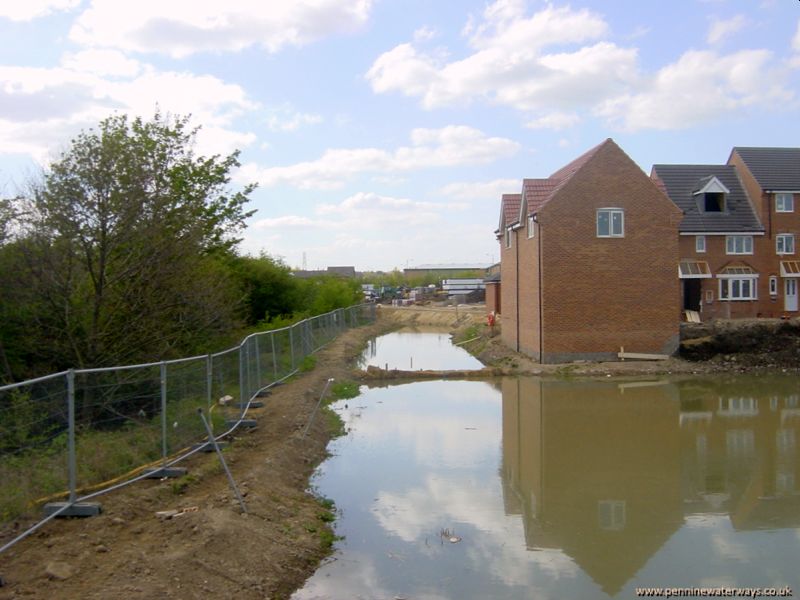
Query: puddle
[563,489]
[413,350]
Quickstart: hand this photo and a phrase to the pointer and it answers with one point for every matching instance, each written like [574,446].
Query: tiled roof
[539,191]
[680,181]
[510,203]
[775,169]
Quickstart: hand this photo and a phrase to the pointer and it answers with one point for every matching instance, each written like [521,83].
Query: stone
[59,571]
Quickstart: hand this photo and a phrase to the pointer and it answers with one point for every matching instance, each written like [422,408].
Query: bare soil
[212,549]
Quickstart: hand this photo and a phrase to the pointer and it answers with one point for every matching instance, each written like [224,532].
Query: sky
[382,133]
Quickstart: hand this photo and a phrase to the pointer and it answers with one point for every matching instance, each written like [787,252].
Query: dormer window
[711,195]
[713,202]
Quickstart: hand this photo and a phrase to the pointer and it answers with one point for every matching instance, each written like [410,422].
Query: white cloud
[102,63]
[555,121]
[424,34]
[286,222]
[42,108]
[285,118]
[486,191]
[701,86]
[720,29]
[509,64]
[184,27]
[796,39]
[446,147]
[27,10]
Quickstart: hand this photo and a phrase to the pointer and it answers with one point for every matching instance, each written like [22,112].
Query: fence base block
[243,423]
[78,509]
[253,404]
[208,447]
[165,472]
[263,394]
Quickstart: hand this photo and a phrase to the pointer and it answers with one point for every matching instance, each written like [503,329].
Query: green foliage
[120,256]
[343,390]
[271,293]
[324,294]
[308,363]
[23,423]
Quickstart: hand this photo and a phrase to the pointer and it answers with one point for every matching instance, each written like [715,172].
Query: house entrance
[790,295]
[692,294]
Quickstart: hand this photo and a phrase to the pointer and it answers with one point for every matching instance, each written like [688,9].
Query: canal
[526,487]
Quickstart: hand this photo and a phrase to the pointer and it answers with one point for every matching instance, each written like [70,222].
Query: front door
[790,296]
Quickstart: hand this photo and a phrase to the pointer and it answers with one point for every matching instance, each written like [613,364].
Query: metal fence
[83,432]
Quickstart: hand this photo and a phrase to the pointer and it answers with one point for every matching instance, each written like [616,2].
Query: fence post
[164,450]
[209,380]
[274,358]
[242,391]
[258,363]
[291,344]
[71,458]
[72,508]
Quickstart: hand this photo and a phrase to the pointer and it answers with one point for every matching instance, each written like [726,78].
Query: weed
[308,363]
[344,390]
[179,485]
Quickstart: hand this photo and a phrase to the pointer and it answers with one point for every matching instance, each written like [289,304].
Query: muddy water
[415,349]
[528,488]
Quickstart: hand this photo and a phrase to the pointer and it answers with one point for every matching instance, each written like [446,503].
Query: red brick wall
[529,291]
[493,297]
[600,294]
[508,299]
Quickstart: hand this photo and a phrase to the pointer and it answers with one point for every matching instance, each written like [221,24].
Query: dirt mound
[754,343]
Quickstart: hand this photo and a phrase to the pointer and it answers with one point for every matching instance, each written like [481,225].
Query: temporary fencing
[79,433]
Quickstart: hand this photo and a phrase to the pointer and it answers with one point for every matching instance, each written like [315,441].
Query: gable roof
[775,169]
[509,210]
[538,192]
[682,182]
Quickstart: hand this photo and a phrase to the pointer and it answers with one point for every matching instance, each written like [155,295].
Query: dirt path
[212,550]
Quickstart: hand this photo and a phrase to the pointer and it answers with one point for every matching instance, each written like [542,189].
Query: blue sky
[382,132]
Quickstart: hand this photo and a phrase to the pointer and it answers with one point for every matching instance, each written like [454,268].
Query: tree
[124,242]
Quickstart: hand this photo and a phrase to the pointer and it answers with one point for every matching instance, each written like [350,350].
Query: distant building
[346,272]
[447,270]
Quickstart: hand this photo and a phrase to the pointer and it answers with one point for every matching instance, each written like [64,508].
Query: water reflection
[415,349]
[564,489]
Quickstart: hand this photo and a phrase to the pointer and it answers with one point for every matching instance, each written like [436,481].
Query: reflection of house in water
[606,471]
[740,453]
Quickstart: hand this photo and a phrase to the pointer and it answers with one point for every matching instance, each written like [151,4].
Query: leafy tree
[125,240]
[270,291]
[324,294]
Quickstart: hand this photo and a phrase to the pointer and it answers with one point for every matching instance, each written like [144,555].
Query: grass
[344,390]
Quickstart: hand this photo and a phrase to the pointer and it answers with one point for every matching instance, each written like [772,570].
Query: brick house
[588,261]
[771,177]
[719,233]
[737,237]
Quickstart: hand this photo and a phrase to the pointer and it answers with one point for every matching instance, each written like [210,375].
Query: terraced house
[737,237]
[598,256]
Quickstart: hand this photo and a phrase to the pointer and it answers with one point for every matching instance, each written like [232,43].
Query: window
[784,203]
[737,288]
[507,237]
[610,222]
[784,243]
[714,202]
[739,244]
[773,286]
[611,514]
[531,226]
[700,243]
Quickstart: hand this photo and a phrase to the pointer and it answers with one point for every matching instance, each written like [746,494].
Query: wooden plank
[641,356]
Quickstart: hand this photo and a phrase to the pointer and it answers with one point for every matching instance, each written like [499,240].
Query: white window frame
[732,287]
[773,285]
[781,246]
[700,244]
[610,214]
[531,226]
[611,515]
[731,244]
[507,237]
[784,202]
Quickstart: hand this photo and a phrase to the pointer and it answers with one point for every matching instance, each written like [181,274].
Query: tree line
[124,250]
